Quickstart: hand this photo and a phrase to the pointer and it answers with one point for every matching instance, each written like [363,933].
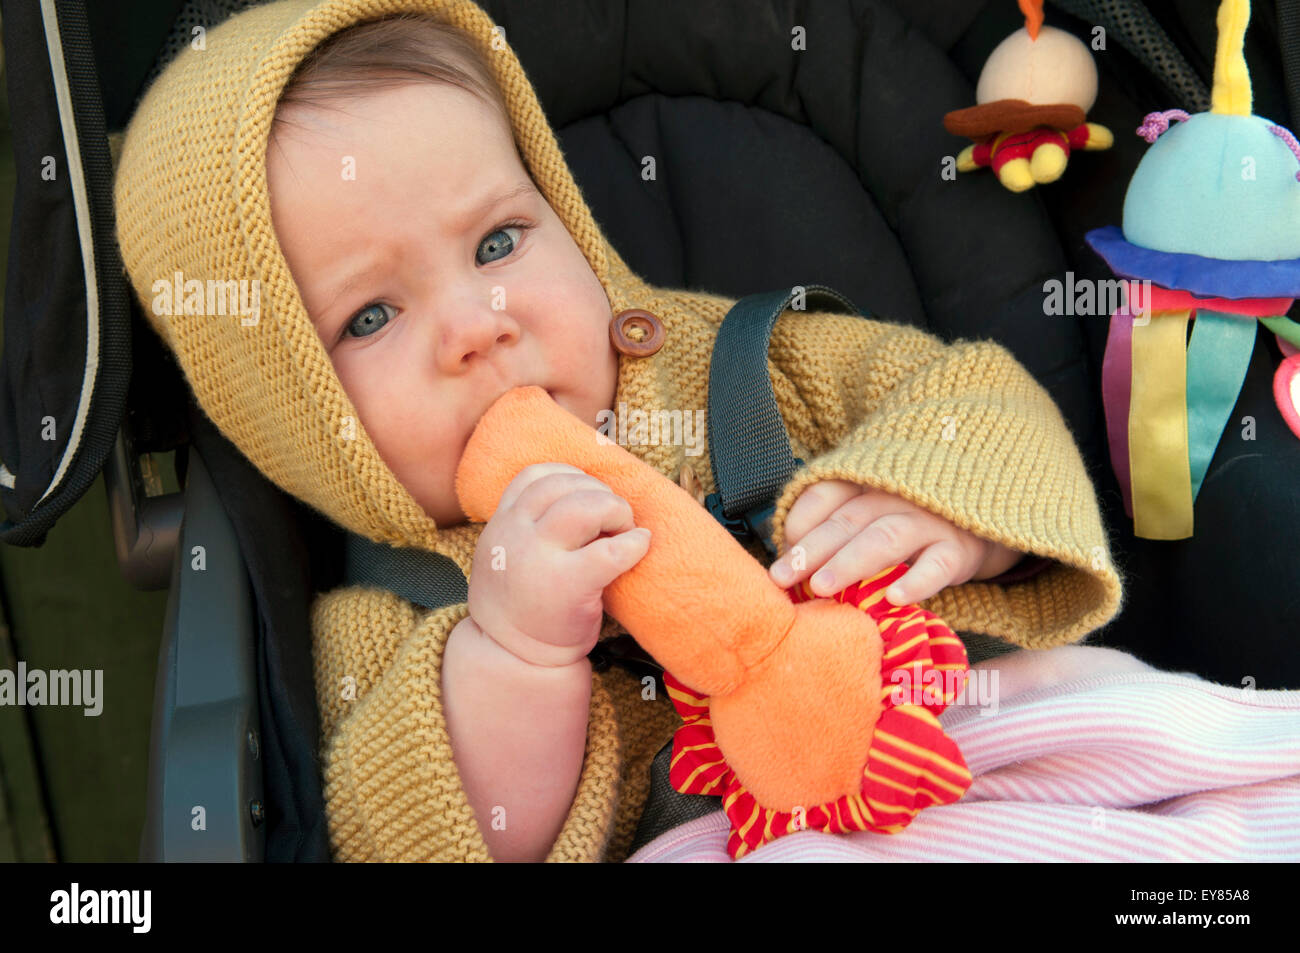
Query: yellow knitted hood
[192,205]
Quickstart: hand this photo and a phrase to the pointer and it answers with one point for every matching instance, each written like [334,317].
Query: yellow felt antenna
[1231,93]
[1033,11]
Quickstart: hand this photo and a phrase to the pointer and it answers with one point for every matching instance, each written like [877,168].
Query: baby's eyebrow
[350,284]
[475,213]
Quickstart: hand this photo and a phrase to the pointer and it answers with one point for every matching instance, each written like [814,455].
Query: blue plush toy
[1212,229]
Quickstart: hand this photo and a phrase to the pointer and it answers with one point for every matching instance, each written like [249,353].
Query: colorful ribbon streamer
[1168,400]
[1116,385]
[1217,358]
[1157,428]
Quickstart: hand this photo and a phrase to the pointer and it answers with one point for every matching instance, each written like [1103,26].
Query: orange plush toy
[788,715]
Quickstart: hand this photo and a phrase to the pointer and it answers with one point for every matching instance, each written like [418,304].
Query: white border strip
[72,147]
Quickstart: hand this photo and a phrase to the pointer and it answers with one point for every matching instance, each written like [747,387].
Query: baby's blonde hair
[390,52]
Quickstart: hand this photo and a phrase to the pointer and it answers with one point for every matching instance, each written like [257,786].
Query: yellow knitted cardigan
[960,429]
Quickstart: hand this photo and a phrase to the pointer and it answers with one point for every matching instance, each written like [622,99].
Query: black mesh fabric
[1141,34]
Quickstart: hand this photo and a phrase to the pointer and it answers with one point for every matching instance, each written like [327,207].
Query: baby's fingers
[581,515]
[815,505]
[604,560]
[598,532]
[861,554]
[539,485]
[934,570]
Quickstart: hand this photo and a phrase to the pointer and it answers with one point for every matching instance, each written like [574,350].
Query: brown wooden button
[636,333]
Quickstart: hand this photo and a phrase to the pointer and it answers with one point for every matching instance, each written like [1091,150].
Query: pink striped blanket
[1082,753]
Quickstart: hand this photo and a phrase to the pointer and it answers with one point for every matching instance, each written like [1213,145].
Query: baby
[430,232]
[438,278]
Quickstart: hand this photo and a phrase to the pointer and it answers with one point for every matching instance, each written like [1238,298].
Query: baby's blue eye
[500,241]
[368,320]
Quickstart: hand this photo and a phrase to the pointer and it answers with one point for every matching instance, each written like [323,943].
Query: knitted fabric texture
[960,429]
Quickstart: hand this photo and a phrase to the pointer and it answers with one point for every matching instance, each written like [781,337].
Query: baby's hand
[558,537]
[846,532]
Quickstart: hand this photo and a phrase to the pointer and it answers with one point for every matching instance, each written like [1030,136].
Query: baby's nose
[474,336]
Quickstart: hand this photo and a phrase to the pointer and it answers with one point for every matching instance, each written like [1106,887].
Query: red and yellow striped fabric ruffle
[911,763]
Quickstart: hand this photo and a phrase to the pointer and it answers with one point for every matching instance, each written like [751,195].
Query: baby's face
[432,298]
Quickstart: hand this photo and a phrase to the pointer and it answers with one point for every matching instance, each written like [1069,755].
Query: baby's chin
[444,508]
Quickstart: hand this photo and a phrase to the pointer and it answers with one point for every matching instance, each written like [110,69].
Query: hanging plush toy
[1032,95]
[1212,220]
[801,713]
